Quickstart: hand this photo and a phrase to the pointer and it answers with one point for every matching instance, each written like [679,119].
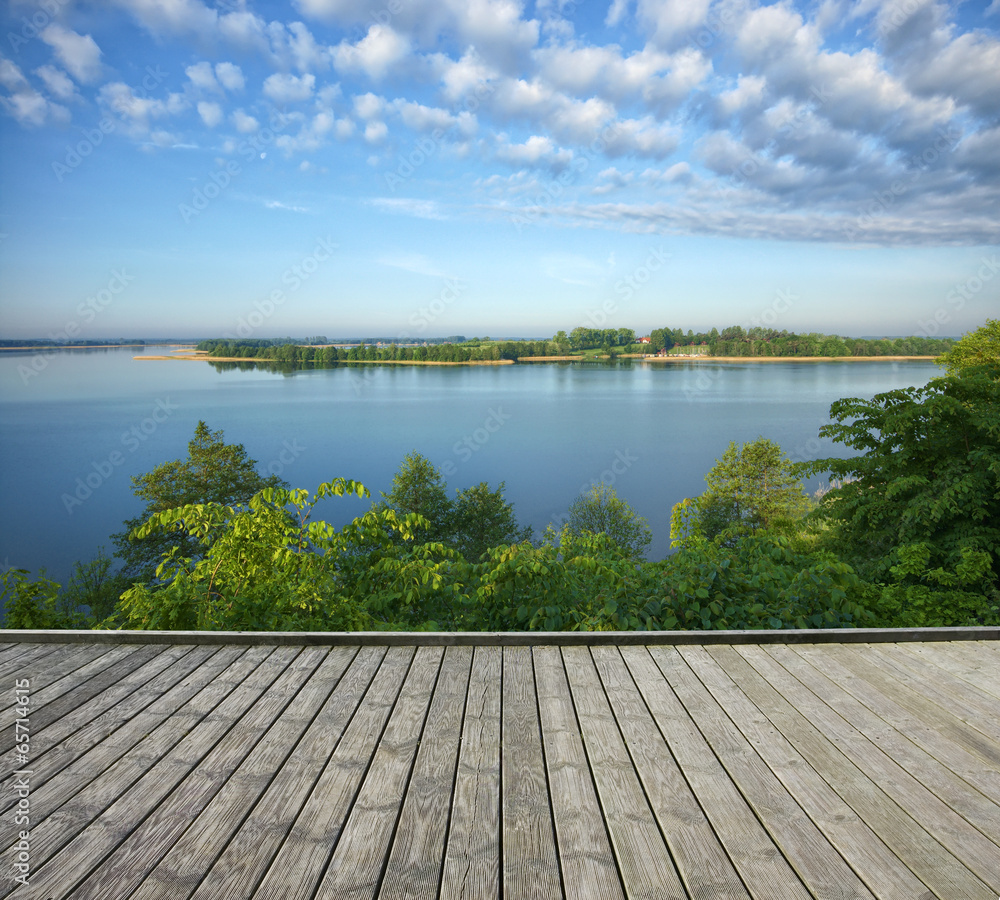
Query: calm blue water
[89,419]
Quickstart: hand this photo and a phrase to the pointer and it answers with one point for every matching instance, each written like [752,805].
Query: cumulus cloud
[230,76]
[78,53]
[288,89]
[536,150]
[170,17]
[58,83]
[202,77]
[136,110]
[24,103]
[211,113]
[243,122]
[374,55]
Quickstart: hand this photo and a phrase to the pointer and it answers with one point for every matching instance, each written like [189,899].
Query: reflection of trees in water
[278,367]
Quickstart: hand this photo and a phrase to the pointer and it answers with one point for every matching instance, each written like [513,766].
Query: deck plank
[356,867]
[585,855]
[966,660]
[302,858]
[703,864]
[472,856]
[978,809]
[242,865]
[858,843]
[102,761]
[417,855]
[922,733]
[56,745]
[530,865]
[891,801]
[762,868]
[81,793]
[58,674]
[644,859]
[803,844]
[23,659]
[67,858]
[300,770]
[972,704]
[235,770]
[928,705]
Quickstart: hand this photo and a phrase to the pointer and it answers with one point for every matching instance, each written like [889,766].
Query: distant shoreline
[202,357]
[768,359]
[40,347]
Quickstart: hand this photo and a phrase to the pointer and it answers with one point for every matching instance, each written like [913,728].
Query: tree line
[906,535]
[734,341]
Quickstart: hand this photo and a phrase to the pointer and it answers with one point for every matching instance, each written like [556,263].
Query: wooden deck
[218,769]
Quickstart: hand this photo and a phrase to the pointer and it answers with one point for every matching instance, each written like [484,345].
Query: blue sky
[430,167]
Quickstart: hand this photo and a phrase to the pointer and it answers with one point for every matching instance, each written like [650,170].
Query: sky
[421,168]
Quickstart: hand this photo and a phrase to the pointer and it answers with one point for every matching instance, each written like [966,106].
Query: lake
[75,430]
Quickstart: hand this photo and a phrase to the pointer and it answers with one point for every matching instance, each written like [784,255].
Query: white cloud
[369,106]
[139,111]
[616,12]
[408,206]
[245,124]
[230,75]
[376,132]
[25,104]
[669,21]
[79,53]
[211,113]
[749,91]
[289,89]
[202,77]
[537,150]
[11,77]
[168,17]
[375,54]
[58,83]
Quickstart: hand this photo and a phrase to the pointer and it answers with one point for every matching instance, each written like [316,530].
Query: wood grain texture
[643,857]
[585,855]
[358,860]
[472,855]
[415,861]
[530,864]
[462,770]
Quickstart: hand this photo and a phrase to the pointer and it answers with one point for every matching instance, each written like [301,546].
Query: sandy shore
[785,359]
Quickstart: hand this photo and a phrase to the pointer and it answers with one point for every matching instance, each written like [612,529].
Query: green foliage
[921,504]
[214,472]
[752,487]
[602,511]
[764,581]
[481,518]
[36,604]
[94,589]
[263,567]
[419,488]
[978,348]
[925,606]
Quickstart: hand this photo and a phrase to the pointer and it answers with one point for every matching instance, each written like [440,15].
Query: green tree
[483,519]
[751,487]
[921,503]
[977,348]
[602,511]
[419,488]
[214,472]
